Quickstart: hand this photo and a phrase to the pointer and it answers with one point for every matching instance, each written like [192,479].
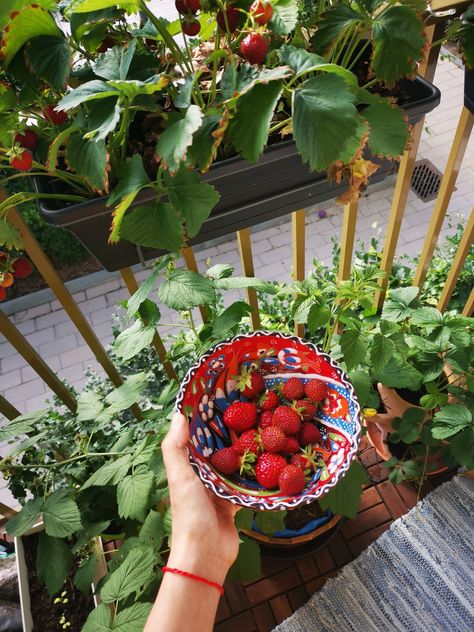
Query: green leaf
[115,62]
[244,519]
[155,226]
[53,562]
[132,574]
[173,143]
[134,339]
[400,304]
[428,317]
[270,521]
[354,347]
[133,618]
[388,134]
[31,21]
[91,90]
[398,43]
[207,138]
[304,62]
[61,514]
[450,420]
[192,198]
[254,113]
[337,20]
[235,83]
[344,497]
[27,517]
[99,620]
[326,124]
[128,393]
[237,283]
[134,493]
[102,118]
[247,566]
[462,447]
[145,289]
[411,425]
[89,405]
[152,531]
[285,16]
[131,177]
[131,88]
[21,425]
[398,374]
[50,58]
[381,350]
[361,383]
[185,289]
[318,316]
[110,473]
[88,159]
[88,532]
[220,271]
[433,400]
[85,573]
[84,6]
[225,322]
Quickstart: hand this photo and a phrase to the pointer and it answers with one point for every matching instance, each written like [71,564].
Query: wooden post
[246,259]
[190,261]
[25,349]
[347,239]
[458,262]
[7,409]
[132,286]
[456,155]
[469,306]
[298,248]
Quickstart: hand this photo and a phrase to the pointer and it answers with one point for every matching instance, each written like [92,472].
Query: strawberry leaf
[172,146]
[88,159]
[50,58]
[388,134]
[154,225]
[285,16]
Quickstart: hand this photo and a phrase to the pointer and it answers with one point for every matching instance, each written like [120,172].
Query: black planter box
[469,90]
[276,185]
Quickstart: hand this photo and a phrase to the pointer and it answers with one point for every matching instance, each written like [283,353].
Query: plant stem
[423,474]
[277,126]
[73,459]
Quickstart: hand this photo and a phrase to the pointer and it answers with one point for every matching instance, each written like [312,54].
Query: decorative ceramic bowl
[209,388]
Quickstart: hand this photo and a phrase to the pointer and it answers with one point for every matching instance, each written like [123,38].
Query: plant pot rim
[295,540]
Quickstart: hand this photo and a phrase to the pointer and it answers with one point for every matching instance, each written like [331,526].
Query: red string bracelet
[203,580]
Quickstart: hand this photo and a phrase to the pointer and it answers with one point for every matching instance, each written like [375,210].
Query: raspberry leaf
[185,289]
[53,562]
[269,522]
[247,566]
[133,573]
[345,496]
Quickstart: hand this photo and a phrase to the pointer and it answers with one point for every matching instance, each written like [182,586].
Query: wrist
[209,567]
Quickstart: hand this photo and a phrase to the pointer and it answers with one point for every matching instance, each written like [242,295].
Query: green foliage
[345,496]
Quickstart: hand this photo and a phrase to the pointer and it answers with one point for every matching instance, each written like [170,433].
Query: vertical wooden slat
[246,260]
[347,239]
[190,261]
[7,409]
[52,278]
[456,155]
[469,306]
[298,227]
[458,262]
[6,511]
[25,349]
[397,210]
[132,286]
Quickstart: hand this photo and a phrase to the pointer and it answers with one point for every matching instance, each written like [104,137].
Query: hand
[204,538]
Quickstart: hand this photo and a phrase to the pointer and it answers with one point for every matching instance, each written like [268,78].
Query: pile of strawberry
[10,268]
[274,434]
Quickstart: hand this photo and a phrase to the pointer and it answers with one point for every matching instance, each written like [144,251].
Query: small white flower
[336,461]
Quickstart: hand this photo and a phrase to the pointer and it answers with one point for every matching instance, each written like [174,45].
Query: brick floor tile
[307,568]
[281,608]
[57,347]
[243,623]
[264,617]
[324,561]
[271,586]
[366,520]
[369,498]
[236,597]
[378,473]
[271,566]
[361,542]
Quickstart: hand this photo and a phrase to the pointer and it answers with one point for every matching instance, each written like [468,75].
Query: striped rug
[417,577]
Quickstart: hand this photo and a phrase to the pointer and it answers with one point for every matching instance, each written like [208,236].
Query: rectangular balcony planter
[276,185]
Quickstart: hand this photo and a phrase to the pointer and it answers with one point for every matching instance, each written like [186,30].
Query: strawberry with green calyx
[268,469]
[54,116]
[268,400]
[249,441]
[293,388]
[287,419]
[254,48]
[306,459]
[309,434]
[292,445]
[265,419]
[291,480]
[273,439]
[250,383]
[21,160]
[240,416]
[306,408]
[316,390]
[261,12]
[228,461]
[232,16]
[6,279]
[27,139]
[22,267]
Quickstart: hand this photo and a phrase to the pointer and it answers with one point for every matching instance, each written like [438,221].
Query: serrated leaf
[247,566]
[433,400]
[237,283]
[134,493]
[133,618]
[318,316]
[344,497]
[128,393]
[400,304]
[134,339]
[61,515]
[99,620]
[88,159]
[388,131]
[411,424]
[102,118]
[354,347]
[427,317]
[302,62]
[91,90]
[285,16]
[153,531]
[236,82]
[50,58]
[84,6]
[85,573]
[360,380]
[132,574]
[335,21]
[225,322]
[185,289]
[131,177]
[88,532]
[398,374]
[131,88]
[155,226]
[173,143]
[462,447]
[450,420]
[21,424]
[53,562]
[207,139]
[142,293]
[220,271]
[326,124]
[10,236]
[244,519]
[110,473]
[25,518]
[89,405]
[269,522]
[115,62]
[381,350]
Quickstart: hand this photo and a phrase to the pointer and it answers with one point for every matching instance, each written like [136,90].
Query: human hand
[204,538]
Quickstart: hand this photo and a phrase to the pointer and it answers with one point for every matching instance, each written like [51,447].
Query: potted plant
[462,30]
[119,115]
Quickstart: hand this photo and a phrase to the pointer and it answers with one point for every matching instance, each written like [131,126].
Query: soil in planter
[299,517]
[47,614]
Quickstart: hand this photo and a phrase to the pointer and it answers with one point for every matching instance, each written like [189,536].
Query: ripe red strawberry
[254,48]
[193,6]
[28,139]
[22,267]
[265,419]
[306,459]
[291,480]
[316,390]
[6,279]
[287,419]
[23,161]
[56,117]
[273,439]
[293,388]
[190,27]
[309,434]
[250,383]
[181,6]
[292,445]
[268,469]
[3,294]
[262,11]
[226,460]
[241,416]
[247,442]
[306,408]
[233,18]
[268,400]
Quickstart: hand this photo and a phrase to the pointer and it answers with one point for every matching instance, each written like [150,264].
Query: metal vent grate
[425,180]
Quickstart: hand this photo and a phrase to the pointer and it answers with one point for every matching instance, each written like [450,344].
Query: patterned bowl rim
[256,502]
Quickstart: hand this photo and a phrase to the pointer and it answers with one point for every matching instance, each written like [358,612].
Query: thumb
[175,455]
